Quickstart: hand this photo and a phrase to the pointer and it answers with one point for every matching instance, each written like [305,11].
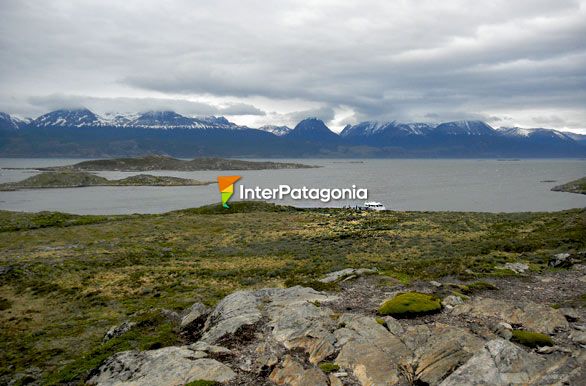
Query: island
[160,162]
[576,186]
[75,179]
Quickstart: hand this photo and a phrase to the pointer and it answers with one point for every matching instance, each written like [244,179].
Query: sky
[509,63]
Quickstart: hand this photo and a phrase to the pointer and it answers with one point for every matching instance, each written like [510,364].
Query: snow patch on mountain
[276,130]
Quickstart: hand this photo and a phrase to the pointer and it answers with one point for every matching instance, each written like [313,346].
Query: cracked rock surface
[299,336]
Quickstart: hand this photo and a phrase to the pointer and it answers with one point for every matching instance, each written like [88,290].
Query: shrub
[531,339]
[410,304]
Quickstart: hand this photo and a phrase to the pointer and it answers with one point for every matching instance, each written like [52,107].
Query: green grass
[66,279]
[410,304]
[531,339]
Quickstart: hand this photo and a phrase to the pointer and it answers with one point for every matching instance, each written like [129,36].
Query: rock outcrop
[292,336]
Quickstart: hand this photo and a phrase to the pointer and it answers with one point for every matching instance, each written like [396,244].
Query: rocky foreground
[300,336]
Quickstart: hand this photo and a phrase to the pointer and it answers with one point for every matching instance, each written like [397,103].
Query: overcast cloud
[258,62]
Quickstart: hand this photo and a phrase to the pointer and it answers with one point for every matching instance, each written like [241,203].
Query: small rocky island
[159,162]
[576,186]
[74,179]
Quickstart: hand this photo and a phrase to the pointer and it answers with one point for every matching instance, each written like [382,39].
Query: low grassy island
[576,186]
[72,179]
[159,162]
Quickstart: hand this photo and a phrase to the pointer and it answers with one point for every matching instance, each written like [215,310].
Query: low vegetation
[73,179]
[66,279]
[410,304]
[576,186]
[531,339]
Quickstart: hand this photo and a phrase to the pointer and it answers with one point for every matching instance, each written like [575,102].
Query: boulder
[561,260]
[169,366]
[292,373]
[444,349]
[369,350]
[338,275]
[393,325]
[571,314]
[370,364]
[117,331]
[500,362]
[531,316]
[578,337]
[504,330]
[194,315]
[516,267]
[452,301]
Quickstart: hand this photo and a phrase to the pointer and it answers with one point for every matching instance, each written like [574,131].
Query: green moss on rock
[410,304]
[328,367]
[531,339]
[202,383]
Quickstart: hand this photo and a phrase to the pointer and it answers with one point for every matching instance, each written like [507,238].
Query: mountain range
[82,133]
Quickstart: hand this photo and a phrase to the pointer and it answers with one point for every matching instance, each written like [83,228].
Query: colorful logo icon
[226,186]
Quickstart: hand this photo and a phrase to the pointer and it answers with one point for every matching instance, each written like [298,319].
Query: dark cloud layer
[521,62]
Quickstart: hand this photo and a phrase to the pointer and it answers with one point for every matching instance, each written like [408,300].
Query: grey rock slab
[393,325]
[370,364]
[169,366]
[338,275]
[197,312]
[292,373]
[532,316]
[500,362]
[446,348]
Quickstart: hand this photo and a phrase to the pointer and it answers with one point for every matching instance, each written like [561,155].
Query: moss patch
[531,339]
[478,286]
[328,367]
[201,382]
[410,304]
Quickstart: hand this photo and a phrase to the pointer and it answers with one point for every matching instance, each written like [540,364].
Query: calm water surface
[455,185]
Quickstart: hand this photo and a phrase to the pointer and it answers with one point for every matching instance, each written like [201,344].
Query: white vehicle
[373,205]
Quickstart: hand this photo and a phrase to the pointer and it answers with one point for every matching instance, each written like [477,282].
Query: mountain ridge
[82,133]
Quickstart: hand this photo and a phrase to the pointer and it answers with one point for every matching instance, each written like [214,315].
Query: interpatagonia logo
[226,186]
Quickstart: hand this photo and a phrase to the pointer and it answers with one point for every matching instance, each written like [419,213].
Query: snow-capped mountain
[312,129]
[389,129]
[475,128]
[535,133]
[69,118]
[277,130]
[179,135]
[148,120]
[10,122]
